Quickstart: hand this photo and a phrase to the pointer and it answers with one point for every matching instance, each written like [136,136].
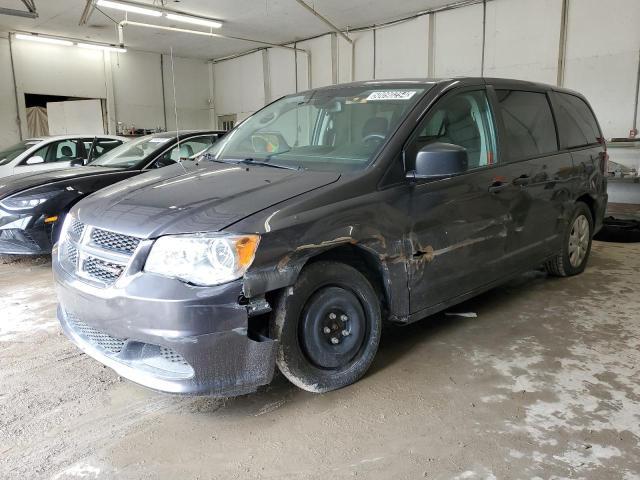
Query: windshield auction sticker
[391,95]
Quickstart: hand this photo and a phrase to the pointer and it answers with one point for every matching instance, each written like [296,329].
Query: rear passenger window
[528,122]
[576,123]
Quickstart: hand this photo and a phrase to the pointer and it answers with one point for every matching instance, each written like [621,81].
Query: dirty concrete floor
[544,383]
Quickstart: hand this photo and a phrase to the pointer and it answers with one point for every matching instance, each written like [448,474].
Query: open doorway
[62,115]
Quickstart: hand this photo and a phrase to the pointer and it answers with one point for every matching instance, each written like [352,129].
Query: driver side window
[464,119]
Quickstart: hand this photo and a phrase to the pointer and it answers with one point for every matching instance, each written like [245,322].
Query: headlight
[203,259]
[20,201]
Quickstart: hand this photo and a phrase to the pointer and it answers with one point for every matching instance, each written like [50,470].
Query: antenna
[175,109]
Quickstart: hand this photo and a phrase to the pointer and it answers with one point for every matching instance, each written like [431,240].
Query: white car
[52,153]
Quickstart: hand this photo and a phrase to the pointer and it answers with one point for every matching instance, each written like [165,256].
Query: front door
[460,224]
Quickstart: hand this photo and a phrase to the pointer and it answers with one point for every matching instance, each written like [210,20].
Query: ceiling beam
[325,20]
[86,13]
[30,4]
[18,13]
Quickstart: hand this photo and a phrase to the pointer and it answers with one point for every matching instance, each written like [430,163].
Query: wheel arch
[590,202]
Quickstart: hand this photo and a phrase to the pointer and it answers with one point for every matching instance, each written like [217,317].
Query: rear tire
[576,244]
[328,327]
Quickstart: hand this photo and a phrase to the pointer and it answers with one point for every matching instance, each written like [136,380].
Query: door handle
[522,180]
[497,186]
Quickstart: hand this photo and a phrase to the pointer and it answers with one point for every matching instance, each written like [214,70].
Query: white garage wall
[239,85]
[282,66]
[402,50]
[345,61]
[457,42]
[192,93]
[130,82]
[522,39]
[602,59]
[363,55]
[57,70]
[321,60]
[137,89]
[9,131]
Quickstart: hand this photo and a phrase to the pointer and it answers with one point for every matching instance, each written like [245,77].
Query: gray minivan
[321,216]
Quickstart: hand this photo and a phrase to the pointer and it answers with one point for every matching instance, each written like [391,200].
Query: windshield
[13,151]
[335,129]
[131,153]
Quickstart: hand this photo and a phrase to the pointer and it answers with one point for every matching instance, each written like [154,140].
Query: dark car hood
[24,181]
[207,199]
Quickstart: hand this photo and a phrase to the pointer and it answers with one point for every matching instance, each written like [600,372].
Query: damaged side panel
[375,225]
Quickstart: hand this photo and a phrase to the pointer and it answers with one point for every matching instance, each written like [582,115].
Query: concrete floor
[544,383]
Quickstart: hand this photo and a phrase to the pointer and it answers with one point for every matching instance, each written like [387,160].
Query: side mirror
[77,162]
[36,159]
[439,160]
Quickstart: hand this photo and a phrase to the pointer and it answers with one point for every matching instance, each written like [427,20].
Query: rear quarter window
[528,121]
[576,123]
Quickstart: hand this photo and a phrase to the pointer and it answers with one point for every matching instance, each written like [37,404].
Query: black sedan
[33,205]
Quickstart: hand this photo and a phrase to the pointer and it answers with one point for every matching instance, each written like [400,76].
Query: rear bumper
[166,335]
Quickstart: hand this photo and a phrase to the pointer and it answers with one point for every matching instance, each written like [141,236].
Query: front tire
[328,327]
[576,244]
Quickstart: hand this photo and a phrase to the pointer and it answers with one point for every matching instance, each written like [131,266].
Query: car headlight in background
[203,259]
[20,201]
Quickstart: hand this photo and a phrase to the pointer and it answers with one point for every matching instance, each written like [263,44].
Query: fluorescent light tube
[93,46]
[38,38]
[127,7]
[193,20]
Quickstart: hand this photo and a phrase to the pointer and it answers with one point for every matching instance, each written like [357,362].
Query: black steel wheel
[328,327]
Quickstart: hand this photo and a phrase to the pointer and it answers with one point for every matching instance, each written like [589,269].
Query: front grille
[72,254]
[76,228]
[95,255]
[114,241]
[172,356]
[96,337]
[102,271]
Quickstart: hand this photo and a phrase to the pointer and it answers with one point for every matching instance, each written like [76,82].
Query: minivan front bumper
[166,335]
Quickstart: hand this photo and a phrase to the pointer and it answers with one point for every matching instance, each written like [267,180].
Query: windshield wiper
[247,161]
[266,163]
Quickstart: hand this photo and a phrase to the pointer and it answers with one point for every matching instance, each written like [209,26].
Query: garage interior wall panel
[603,64]
[9,131]
[282,67]
[239,85]
[363,55]
[58,70]
[457,39]
[402,50]
[523,38]
[192,93]
[303,71]
[345,61]
[321,61]
[137,86]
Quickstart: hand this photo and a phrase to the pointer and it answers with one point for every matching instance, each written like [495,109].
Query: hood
[24,181]
[207,199]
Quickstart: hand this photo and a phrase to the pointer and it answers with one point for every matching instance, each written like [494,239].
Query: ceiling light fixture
[193,20]
[127,7]
[108,48]
[169,14]
[38,38]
